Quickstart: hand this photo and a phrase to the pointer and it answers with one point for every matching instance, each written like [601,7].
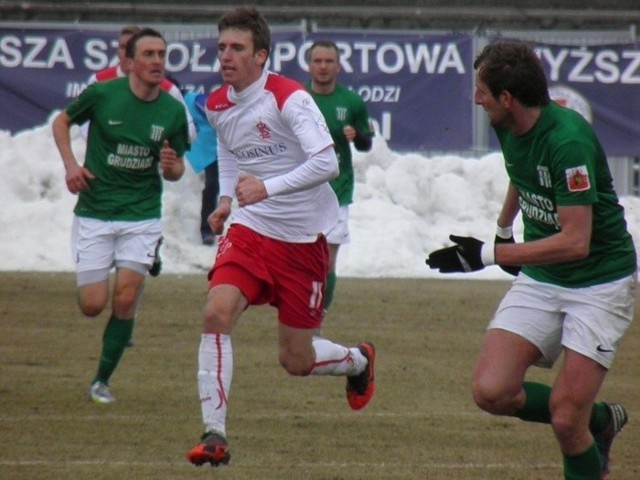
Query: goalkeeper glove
[468,255]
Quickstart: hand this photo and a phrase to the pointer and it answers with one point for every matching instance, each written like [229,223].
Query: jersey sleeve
[362,123]
[309,126]
[574,173]
[180,141]
[307,122]
[81,109]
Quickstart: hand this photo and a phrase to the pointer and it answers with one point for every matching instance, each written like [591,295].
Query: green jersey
[123,149]
[340,108]
[560,162]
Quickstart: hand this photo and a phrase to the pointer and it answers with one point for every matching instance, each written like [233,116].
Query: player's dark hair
[145,32]
[248,18]
[514,67]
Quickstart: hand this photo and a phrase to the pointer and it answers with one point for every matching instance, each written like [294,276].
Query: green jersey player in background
[137,133]
[575,292]
[348,121]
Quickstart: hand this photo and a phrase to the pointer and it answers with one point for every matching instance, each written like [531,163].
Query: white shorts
[590,321]
[97,246]
[339,233]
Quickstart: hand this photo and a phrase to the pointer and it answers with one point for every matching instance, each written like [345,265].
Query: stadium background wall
[567,22]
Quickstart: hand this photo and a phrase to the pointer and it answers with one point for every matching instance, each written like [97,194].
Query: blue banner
[400,76]
[418,87]
[603,83]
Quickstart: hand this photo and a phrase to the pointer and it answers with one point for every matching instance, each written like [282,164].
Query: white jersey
[274,131]
[166,85]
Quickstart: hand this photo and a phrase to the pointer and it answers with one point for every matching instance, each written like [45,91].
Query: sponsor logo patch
[577,179]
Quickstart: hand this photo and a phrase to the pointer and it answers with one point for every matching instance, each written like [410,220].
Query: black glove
[510,269]
[465,256]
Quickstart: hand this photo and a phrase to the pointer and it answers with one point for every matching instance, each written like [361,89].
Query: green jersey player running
[575,292]
[137,132]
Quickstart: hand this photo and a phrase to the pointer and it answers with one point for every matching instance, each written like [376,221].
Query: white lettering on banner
[10,55]
[387,57]
[73,89]
[283,52]
[97,57]
[179,51]
[358,56]
[198,53]
[394,61]
[606,66]
[629,74]
[379,93]
[382,127]
[180,56]
[364,48]
[34,52]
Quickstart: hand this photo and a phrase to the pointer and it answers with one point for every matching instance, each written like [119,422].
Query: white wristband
[504,232]
[488,254]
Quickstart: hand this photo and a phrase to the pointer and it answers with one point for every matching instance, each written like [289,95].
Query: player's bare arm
[171,164]
[569,244]
[220,214]
[76,177]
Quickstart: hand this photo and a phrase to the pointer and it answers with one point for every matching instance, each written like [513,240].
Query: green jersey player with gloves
[574,294]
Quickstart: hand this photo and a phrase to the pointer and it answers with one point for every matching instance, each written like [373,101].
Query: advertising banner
[603,83]
[418,87]
[402,77]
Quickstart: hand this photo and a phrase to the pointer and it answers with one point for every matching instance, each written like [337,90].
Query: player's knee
[295,366]
[565,428]
[216,320]
[125,301]
[93,293]
[221,312]
[91,307]
[489,398]
[566,420]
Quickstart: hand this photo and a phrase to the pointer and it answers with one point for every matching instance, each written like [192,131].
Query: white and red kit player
[275,158]
[273,131]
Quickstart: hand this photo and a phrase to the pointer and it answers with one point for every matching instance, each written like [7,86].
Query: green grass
[422,423]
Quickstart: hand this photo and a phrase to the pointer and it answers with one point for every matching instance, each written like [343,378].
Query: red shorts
[289,276]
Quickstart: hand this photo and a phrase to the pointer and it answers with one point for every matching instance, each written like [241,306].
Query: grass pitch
[421,424]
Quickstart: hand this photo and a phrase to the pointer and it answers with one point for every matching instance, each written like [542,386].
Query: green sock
[117,334]
[536,405]
[332,278]
[599,418]
[584,466]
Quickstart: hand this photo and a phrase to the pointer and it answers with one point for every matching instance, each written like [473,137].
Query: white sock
[215,370]
[334,359]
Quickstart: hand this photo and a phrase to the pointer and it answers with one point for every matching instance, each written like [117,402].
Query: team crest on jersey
[578,179]
[156,133]
[263,130]
[341,113]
